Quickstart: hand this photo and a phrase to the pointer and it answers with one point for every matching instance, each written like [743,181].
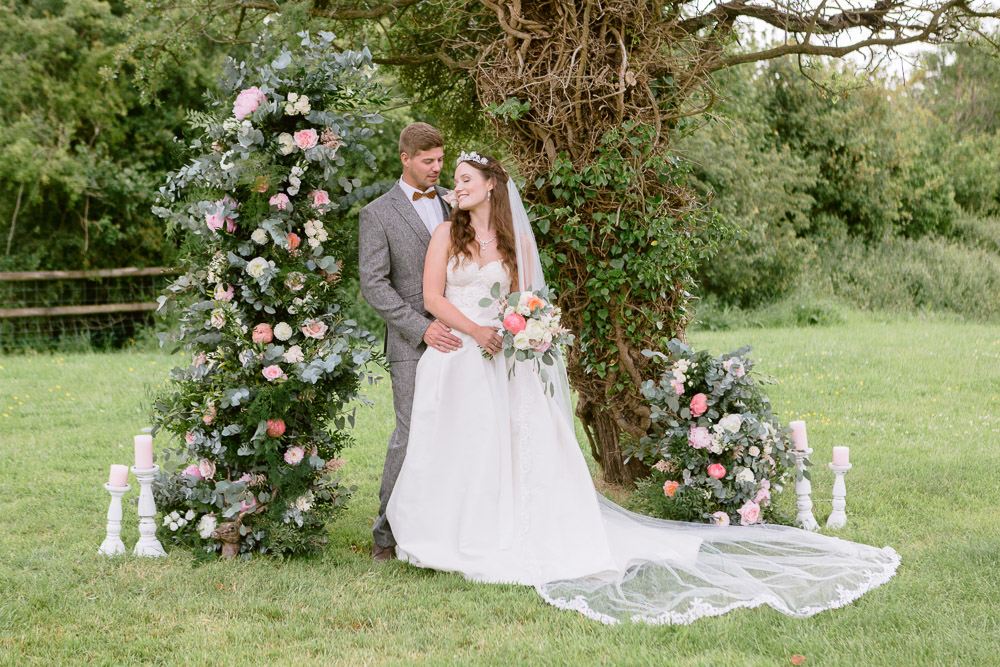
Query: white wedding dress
[494,486]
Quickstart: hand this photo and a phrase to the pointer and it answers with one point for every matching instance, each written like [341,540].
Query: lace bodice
[467,283]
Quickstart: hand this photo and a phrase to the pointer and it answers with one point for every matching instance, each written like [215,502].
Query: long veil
[794,571]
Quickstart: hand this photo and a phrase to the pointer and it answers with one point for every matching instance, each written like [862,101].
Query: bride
[494,485]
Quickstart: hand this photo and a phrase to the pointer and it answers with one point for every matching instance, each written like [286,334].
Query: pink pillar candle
[799,434]
[119,476]
[144,451]
[841,456]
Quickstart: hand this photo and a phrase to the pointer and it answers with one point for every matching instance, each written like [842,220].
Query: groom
[392,242]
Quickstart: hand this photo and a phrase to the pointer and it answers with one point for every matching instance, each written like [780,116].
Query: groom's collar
[409,189]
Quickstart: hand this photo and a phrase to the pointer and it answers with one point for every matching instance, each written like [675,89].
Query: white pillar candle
[144,451]
[841,456]
[799,434]
[119,476]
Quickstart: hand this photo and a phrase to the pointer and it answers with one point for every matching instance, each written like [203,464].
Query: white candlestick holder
[112,544]
[147,545]
[803,489]
[838,518]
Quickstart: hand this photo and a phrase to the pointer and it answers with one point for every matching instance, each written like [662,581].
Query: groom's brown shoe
[381,554]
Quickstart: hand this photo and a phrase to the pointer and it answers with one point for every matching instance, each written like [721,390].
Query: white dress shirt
[429,209]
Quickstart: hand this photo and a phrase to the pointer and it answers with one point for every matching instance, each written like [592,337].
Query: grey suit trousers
[403,374]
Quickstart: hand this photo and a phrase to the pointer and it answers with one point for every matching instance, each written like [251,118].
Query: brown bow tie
[430,195]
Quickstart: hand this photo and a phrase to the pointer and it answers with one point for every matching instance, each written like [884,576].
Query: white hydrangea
[259,236]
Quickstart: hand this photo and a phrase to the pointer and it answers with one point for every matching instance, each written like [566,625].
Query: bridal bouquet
[262,410]
[715,450]
[531,329]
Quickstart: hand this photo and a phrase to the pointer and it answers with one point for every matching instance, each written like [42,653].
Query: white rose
[259,236]
[304,502]
[744,475]
[521,340]
[218,318]
[283,331]
[754,451]
[731,423]
[313,242]
[522,304]
[292,97]
[207,524]
[189,515]
[293,185]
[534,330]
[257,266]
[173,526]
[716,446]
[289,110]
[292,355]
[286,143]
[768,449]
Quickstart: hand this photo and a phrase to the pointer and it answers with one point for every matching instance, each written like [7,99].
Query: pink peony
[214,221]
[716,470]
[223,293]
[275,427]
[319,197]
[670,488]
[763,496]
[749,513]
[699,404]
[294,456]
[293,241]
[192,471]
[272,373]
[279,200]
[314,329]
[247,102]
[262,333]
[720,519]
[189,438]
[206,468]
[514,323]
[699,437]
[306,139]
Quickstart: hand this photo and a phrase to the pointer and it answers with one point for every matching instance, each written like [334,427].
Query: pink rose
[206,468]
[734,367]
[224,293]
[214,221]
[294,456]
[200,359]
[314,329]
[245,477]
[716,470]
[749,513]
[699,403]
[189,438]
[272,373]
[677,386]
[306,139]
[543,347]
[247,102]
[230,225]
[209,416]
[192,471]
[319,197]
[763,496]
[720,519]
[295,281]
[279,200]
[275,427]
[699,437]
[670,488]
[293,241]
[514,323]
[262,333]
[248,504]
[765,484]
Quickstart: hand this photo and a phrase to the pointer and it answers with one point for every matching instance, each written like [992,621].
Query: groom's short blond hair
[417,137]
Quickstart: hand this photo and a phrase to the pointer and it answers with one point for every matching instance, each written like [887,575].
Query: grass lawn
[918,401]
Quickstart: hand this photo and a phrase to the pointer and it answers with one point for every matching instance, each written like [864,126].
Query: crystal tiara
[471,157]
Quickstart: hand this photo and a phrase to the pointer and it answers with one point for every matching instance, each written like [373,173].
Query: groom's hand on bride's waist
[441,338]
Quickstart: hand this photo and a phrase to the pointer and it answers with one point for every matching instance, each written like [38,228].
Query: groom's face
[421,170]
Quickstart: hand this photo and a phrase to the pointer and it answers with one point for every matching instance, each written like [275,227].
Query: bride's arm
[435,274]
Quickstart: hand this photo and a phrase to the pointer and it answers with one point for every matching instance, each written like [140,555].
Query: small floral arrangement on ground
[715,450]
[261,413]
[531,328]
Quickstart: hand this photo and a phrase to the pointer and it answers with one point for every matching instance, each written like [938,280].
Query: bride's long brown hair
[462,233]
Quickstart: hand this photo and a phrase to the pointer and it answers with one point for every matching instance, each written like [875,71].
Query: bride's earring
[488,193]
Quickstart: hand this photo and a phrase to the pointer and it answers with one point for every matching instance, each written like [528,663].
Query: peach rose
[534,302]
[275,427]
[699,404]
[314,329]
[670,488]
[293,241]
[262,333]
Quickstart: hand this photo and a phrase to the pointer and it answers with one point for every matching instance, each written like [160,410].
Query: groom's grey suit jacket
[392,244]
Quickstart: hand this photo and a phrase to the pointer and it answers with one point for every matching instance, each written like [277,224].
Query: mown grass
[918,401]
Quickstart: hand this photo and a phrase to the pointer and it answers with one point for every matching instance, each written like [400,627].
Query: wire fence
[77,309]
